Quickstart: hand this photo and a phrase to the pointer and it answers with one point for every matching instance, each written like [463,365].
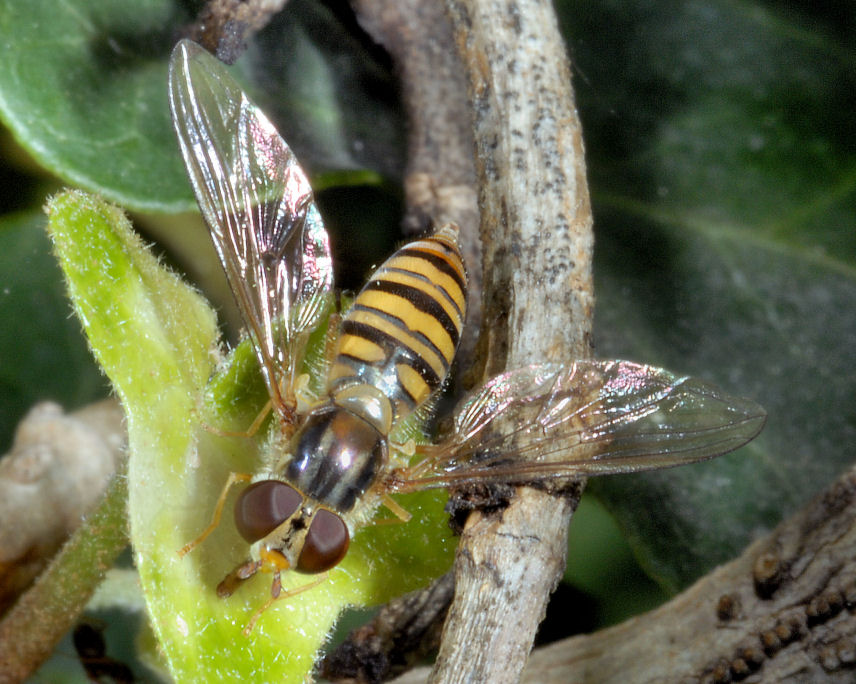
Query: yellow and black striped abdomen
[399,338]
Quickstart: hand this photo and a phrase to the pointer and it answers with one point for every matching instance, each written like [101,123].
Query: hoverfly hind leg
[256,425]
[402,515]
[427,458]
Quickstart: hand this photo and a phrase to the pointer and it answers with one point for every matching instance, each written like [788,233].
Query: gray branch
[536,231]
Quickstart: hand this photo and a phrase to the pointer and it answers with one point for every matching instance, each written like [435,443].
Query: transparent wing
[259,208]
[588,418]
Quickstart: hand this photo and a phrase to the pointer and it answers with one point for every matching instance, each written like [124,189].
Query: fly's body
[393,352]
[335,462]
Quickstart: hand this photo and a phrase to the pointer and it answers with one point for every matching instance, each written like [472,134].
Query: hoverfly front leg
[270,561]
[276,593]
[234,478]
[231,581]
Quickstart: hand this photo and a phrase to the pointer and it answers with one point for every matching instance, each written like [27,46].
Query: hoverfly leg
[249,432]
[299,391]
[248,628]
[401,514]
[277,594]
[303,395]
[259,419]
[234,478]
[270,561]
[406,449]
[428,455]
[231,581]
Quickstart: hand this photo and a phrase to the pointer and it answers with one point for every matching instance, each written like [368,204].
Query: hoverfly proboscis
[334,463]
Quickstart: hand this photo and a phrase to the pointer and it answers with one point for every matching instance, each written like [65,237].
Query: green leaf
[43,355]
[720,148]
[83,89]
[601,564]
[721,155]
[155,338]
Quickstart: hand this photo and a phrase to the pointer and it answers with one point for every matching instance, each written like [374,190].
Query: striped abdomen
[398,340]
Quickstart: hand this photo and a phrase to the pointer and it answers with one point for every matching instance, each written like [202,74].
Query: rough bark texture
[403,632]
[536,229]
[785,611]
[537,298]
[224,26]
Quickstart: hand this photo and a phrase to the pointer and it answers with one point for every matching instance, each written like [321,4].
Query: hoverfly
[334,463]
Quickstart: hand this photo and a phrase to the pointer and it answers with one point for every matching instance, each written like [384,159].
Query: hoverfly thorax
[337,456]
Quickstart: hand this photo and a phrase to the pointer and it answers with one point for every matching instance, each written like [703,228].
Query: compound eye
[326,543]
[264,506]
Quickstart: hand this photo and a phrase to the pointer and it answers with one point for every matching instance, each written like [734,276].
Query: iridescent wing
[259,208]
[588,418]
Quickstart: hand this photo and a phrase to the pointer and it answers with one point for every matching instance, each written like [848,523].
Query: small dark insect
[335,458]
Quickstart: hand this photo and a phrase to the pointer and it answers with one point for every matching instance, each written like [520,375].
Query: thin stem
[31,629]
